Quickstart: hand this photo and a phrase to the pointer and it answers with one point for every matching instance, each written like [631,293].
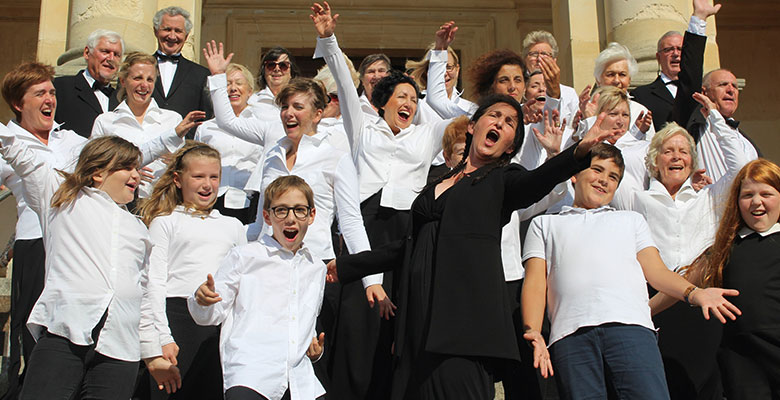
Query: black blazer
[189,91]
[77,106]
[657,98]
[470,310]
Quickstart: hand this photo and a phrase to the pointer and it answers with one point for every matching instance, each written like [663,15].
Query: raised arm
[692,62]
[328,48]
[437,66]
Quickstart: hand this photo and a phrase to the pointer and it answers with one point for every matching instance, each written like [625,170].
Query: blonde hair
[454,133]
[250,79]
[106,153]
[165,195]
[326,77]
[418,70]
[610,97]
[660,137]
[133,58]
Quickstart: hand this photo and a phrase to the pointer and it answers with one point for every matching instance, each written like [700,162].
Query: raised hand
[529,115]
[711,301]
[324,22]
[445,35]
[706,104]
[704,8]
[541,355]
[166,375]
[147,175]
[584,98]
[591,106]
[193,119]
[553,133]
[206,294]
[699,180]
[596,134]
[316,347]
[375,294]
[552,76]
[215,57]
[644,120]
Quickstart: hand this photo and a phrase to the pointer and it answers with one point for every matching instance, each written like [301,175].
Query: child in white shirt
[267,295]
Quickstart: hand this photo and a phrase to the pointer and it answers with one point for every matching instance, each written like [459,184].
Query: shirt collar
[657,188]
[745,231]
[665,78]
[17,130]
[88,77]
[275,247]
[580,210]
[214,213]
[153,111]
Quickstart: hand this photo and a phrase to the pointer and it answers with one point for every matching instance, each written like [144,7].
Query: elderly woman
[614,67]
[276,69]
[239,158]
[372,69]
[683,222]
[450,255]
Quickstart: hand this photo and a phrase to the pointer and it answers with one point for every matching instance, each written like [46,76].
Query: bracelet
[687,293]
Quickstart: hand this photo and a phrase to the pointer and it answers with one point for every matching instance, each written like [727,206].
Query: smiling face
[451,74]
[400,107]
[723,91]
[674,162]
[37,108]
[171,35]
[120,185]
[277,73]
[199,181]
[493,133]
[103,60]
[670,55]
[509,81]
[595,186]
[532,58]
[535,89]
[289,231]
[299,116]
[617,120]
[139,84]
[239,91]
[616,74]
[759,205]
[374,73]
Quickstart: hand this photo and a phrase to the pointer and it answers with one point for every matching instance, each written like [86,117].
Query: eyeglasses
[300,212]
[451,67]
[667,50]
[536,54]
[271,65]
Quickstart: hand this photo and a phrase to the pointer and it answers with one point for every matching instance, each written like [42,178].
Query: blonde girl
[189,240]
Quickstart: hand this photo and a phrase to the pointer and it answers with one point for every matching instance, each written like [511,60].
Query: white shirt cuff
[697,26]
[439,56]
[217,81]
[370,280]
[326,47]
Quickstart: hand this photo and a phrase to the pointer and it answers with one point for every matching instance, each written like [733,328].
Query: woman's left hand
[644,120]
[711,300]
[553,133]
[375,294]
[596,134]
[445,35]
[193,119]
[324,23]
[215,57]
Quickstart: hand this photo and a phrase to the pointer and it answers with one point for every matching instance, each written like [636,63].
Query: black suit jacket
[470,312]
[188,92]
[657,98]
[77,106]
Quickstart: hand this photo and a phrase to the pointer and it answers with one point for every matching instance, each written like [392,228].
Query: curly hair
[386,86]
[483,71]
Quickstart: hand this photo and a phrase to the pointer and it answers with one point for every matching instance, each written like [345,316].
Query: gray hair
[112,37]
[172,12]
[537,37]
[706,80]
[669,130]
[614,52]
[666,35]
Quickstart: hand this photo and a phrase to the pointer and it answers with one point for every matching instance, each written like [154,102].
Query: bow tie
[164,57]
[733,123]
[106,89]
[675,82]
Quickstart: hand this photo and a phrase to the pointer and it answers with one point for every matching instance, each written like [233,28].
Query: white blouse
[270,301]
[96,256]
[396,164]
[185,248]
[157,122]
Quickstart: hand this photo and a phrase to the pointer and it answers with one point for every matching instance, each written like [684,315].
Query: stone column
[576,28]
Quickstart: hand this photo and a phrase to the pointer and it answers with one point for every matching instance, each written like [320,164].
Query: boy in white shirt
[592,263]
[267,295]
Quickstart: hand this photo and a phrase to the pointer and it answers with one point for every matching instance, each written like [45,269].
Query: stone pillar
[639,24]
[576,28]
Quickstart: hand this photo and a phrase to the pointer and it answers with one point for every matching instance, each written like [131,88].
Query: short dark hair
[315,89]
[484,69]
[16,82]
[367,61]
[606,151]
[385,87]
[273,55]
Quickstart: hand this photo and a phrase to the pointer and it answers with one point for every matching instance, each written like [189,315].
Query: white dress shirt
[396,164]
[157,123]
[167,70]
[99,95]
[185,248]
[270,302]
[712,155]
[96,257]
[684,226]
[593,275]
[337,137]
[264,107]
[61,153]
[239,160]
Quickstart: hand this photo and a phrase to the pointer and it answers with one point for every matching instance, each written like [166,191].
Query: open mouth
[600,189]
[291,125]
[541,99]
[492,136]
[290,234]
[142,93]
[47,113]
[758,213]
[234,96]
[205,195]
[676,168]
[131,186]
[404,115]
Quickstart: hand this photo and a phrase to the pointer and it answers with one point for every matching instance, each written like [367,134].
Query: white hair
[536,37]
[666,35]
[172,12]
[112,37]
[326,77]
[614,52]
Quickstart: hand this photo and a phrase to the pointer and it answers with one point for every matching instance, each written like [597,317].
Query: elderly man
[182,84]
[84,96]
[659,95]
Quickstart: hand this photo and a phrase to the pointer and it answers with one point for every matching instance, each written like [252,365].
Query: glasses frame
[276,212]
[271,65]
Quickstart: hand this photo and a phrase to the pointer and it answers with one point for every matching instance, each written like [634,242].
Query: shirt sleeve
[534,246]
[150,339]
[556,195]
[161,232]
[644,238]
[252,130]
[437,89]
[167,142]
[734,155]
[226,284]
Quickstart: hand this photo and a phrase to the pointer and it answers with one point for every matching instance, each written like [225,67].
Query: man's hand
[704,8]
[206,294]
[324,23]
[215,57]
[164,373]
[706,104]
[711,300]
[316,347]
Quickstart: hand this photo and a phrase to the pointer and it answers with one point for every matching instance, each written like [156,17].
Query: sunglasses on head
[283,65]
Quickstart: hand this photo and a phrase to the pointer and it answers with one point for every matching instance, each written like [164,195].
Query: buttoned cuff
[372,280]
[150,348]
[697,26]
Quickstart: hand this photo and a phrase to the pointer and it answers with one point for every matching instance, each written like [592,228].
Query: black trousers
[60,369]
[198,359]
[27,279]
[448,377]
[750,366]
[245,393]
[245,215]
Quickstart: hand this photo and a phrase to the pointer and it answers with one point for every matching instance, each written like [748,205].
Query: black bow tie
[675,82]
[106,89]
[174,58]
[733,123]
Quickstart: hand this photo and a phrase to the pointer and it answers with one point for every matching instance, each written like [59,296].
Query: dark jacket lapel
[85,93]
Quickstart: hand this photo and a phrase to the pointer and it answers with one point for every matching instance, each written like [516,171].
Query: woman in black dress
[454,326]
